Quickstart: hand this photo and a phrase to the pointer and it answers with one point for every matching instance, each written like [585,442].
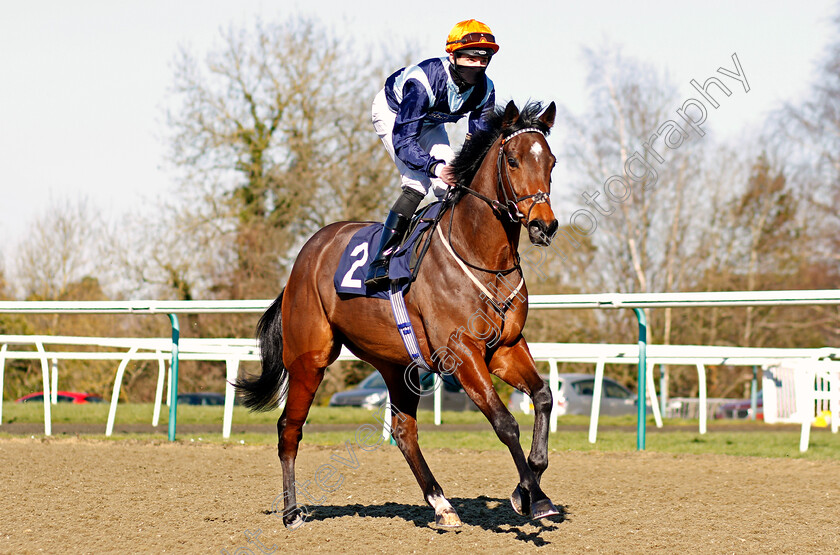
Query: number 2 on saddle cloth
[349,278]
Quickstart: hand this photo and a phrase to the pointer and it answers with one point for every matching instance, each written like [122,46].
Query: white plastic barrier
[698,356]
[779,385]
[800,391]
[817,393]
[639,302]
[233,351]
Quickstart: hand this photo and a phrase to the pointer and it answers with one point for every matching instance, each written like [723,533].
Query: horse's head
[524,165]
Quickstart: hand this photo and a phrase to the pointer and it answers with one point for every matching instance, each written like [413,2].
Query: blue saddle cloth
[355,260]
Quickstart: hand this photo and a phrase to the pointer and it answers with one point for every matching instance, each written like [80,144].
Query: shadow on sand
[491,514]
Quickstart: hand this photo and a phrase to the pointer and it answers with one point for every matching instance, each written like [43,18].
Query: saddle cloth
[353,266]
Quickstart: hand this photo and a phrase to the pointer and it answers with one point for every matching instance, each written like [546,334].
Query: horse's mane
[469,158]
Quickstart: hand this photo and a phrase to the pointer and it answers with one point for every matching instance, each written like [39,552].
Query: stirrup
[377,274]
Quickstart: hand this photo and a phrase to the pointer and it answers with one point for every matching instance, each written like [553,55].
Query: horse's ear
[511,115]
[548,116]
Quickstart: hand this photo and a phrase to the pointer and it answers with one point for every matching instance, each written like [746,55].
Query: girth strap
[405,328]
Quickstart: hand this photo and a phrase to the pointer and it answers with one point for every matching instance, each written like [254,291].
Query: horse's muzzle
[542,233]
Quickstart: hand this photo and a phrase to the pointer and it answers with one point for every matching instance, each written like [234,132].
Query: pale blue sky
[82,83]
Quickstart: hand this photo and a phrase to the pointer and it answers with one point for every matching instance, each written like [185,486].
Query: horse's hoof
[517,504]
[294,523]
[294,519]
[447,518]
[543,508]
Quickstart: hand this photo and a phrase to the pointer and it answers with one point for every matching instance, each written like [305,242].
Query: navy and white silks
[409,113]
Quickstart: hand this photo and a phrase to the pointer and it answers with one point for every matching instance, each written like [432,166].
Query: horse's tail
[263,393]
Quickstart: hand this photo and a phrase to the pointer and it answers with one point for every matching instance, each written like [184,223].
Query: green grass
[616,434]
[190,414]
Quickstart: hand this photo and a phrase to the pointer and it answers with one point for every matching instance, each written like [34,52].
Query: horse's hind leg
[309,346]
[304,379]
[404,430]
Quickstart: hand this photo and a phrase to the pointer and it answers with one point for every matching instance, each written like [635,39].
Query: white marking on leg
[445,514]
[439,503]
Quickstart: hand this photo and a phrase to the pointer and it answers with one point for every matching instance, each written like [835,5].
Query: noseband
[508,210]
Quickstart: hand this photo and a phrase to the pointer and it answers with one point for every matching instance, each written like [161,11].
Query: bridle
[505,211]
[509,210]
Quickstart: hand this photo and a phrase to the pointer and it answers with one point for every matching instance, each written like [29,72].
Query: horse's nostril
[552,229]
[538,226]
[539,232]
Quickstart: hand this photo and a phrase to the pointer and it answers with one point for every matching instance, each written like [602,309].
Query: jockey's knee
[408,201]
[418,184]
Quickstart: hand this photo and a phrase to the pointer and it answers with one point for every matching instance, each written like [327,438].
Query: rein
[507,209]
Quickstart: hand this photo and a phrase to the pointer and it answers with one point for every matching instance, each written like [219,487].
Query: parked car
[742,409]
[372,392]
[576,391]
[203,399]
[63,397]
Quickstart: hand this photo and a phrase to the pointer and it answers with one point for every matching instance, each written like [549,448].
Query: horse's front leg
[474,376]
[404,401]
[516,367]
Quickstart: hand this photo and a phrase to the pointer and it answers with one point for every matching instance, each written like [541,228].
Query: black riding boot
[392,235]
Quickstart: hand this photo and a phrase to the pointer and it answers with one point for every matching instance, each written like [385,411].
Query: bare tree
[690,215]
[271,138]
[60,248]
[808,133]
[811,133]
[60,258]
[641,194]
[174,252]
[641,223]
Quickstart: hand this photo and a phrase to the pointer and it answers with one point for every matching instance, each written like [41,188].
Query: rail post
[641,401]
[173,376]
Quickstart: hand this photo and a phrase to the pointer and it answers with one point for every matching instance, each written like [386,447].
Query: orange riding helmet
[471,34]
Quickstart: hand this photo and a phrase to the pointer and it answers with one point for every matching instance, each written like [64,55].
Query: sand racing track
[83,496]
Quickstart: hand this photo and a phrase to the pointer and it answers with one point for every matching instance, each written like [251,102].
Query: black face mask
[466,76]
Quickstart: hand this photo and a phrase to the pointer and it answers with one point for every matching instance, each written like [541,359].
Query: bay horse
[504,178]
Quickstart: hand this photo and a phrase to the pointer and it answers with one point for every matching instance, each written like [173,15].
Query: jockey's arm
[478,117]
[413,108]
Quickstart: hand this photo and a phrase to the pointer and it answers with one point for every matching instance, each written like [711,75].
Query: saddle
[349,278]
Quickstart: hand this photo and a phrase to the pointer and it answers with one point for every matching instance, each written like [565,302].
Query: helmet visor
[473,37]
[477,52]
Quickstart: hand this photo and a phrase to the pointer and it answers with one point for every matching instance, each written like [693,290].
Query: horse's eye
[512,162]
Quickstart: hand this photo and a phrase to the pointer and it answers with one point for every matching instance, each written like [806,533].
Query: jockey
[408,116]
